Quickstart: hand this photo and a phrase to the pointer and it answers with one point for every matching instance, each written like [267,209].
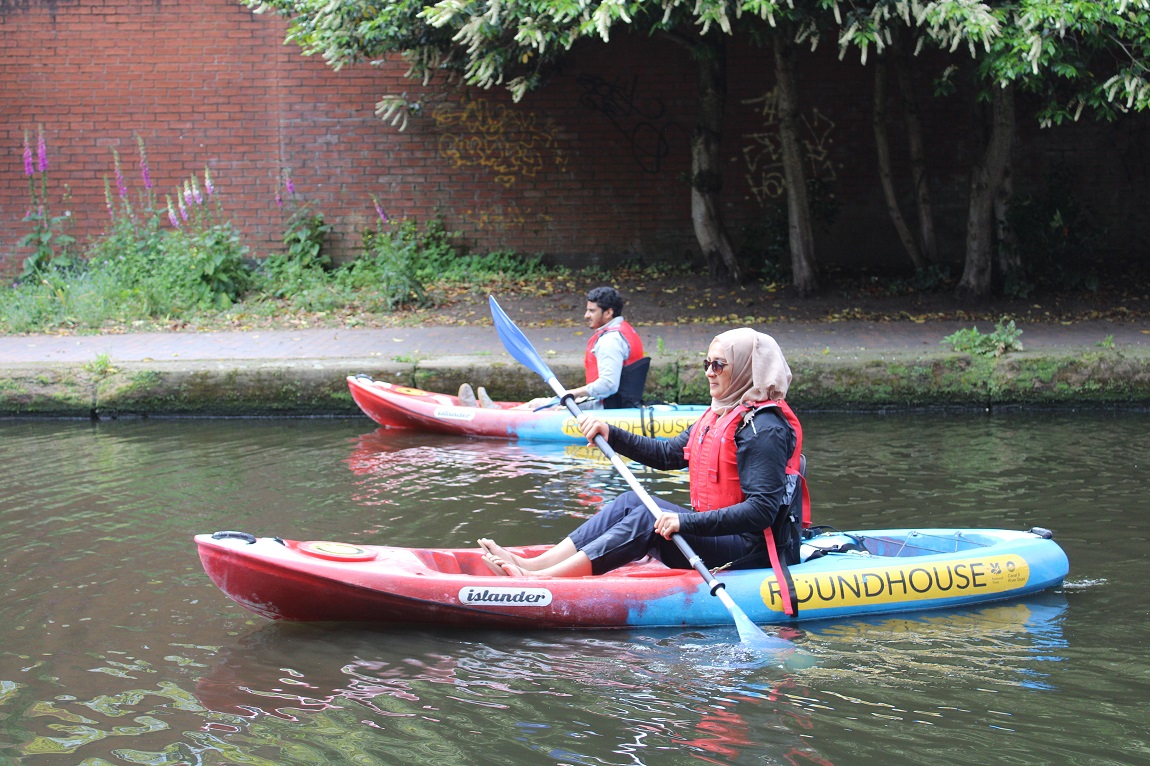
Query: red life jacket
[591,363]
[714,476]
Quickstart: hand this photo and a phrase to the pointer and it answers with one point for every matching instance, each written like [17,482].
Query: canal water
[115,648]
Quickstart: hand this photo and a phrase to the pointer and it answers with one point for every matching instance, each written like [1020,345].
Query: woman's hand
[667,524]
[592,427]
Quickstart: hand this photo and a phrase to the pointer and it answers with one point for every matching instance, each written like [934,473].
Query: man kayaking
[615,366]
[747,493]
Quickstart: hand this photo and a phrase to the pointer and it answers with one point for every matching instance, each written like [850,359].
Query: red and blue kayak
[843,575]
[395,406]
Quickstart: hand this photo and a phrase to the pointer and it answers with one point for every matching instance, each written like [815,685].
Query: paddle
[519,347]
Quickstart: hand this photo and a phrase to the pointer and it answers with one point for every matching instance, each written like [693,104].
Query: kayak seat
[632,381]
[440,561]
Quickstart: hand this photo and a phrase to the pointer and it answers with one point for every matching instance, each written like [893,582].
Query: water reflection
[623,697]
[115,648]
[578,697]
[1007,644]
[525,486]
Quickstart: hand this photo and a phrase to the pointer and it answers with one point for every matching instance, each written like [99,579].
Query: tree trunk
[985,179]
[886,174]
[799,230]
[1009,260]
[706,167]
[927,242]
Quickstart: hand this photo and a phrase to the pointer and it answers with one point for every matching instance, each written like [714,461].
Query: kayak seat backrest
[441,561]
[632,381]
[830,542]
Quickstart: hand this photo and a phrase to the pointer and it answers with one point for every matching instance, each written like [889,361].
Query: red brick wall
[588,169]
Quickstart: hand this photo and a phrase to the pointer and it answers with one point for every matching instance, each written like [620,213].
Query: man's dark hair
[607,298]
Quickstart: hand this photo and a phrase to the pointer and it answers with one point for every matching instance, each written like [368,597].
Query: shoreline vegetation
[175,261]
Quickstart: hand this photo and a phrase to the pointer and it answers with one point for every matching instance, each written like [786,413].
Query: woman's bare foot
[505,568]
[498,551]
[494,565]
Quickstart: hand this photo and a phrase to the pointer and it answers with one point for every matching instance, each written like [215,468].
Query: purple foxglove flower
[379,209]
[208,186]
[188,193]
[279,199]
[172,214]
[196,192]
[288,184]
[29,168]
[42,152]
[144,163]
[121,186]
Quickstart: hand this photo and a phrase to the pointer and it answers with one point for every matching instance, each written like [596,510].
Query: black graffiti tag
[637,119]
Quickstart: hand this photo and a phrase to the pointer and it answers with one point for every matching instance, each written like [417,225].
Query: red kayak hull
[395,406]
[901,570]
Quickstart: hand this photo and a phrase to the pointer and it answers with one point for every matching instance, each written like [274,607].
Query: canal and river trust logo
[505,596]
[909,581]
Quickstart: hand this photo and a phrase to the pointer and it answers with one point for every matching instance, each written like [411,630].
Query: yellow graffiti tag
[511,143]
[763,154]
[906,581]
[505,216]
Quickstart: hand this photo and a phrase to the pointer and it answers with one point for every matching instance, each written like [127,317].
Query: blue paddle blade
[754,637]
[751,634]
[516,342]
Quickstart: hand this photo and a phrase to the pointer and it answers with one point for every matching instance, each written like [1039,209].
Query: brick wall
[589,169]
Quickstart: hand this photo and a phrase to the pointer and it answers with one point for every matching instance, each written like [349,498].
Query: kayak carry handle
[250,539]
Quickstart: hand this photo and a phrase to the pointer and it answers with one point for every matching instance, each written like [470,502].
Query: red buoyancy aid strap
[787,590]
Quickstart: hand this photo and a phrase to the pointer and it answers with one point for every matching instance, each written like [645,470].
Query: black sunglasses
[718,365]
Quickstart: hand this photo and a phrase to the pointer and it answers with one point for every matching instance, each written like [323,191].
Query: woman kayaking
[743,457]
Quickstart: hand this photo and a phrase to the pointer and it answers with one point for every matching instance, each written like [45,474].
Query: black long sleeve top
[762,449]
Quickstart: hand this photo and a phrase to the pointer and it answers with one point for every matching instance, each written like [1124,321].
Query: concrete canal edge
[1053,377]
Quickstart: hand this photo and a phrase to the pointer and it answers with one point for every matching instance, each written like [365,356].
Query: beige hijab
[758,370]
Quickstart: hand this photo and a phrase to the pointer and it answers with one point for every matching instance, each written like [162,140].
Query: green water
[116,649]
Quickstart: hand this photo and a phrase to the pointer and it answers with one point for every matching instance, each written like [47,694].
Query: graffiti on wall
[512,144]
[763,155]
[640,120]
[508,216]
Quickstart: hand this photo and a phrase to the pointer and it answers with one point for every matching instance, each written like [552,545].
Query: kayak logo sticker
[655,426]
[902,582]
[505,596]
[454,413]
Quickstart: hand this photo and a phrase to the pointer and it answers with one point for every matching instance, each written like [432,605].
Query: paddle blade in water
[516,342]
[749,633]
[752,636]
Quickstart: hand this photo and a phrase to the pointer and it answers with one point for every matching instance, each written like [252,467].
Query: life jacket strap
[786,584]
